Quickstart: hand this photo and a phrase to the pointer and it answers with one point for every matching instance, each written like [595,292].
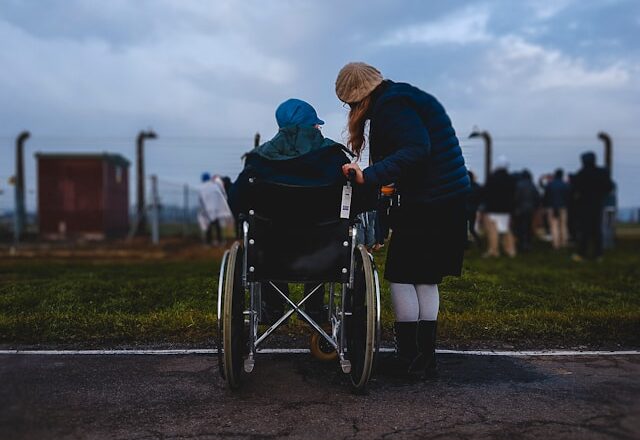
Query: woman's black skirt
[427,242]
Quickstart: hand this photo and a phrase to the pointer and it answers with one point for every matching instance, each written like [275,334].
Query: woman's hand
[353,166]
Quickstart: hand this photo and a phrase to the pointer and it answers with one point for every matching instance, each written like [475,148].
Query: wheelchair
[299,235]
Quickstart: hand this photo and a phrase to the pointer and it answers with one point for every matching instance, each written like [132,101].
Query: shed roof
[116,159]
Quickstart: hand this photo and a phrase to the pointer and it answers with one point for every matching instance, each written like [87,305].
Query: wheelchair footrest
[345,365]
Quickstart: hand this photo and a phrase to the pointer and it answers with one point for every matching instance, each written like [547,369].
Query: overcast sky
[542,76]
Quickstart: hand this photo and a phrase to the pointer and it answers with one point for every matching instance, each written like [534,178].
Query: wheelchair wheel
[362,323]
[219,316]
[234,330]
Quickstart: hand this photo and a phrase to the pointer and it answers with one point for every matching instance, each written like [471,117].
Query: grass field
[537,300]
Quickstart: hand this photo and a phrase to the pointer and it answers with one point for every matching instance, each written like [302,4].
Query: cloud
[547,9]
[515,61]
[465,26]
[186,77]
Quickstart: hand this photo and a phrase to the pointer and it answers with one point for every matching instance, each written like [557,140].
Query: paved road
[293,396]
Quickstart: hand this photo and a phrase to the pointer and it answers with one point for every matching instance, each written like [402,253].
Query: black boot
[424,365]
[406,350]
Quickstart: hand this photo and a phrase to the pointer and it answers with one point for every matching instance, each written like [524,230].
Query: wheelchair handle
[351,177]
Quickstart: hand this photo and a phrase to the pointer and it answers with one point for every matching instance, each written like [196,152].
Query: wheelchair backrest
[296,234]
[300,204]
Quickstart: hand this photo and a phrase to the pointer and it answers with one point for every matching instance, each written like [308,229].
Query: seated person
[297,155]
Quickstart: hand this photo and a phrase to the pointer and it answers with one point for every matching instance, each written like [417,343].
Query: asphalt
[294,396]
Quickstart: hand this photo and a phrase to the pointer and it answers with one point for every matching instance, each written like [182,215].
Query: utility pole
[608,150]
[256,144]
[610,204]
[488,144]
[19,219]
[155,211]
[141,217]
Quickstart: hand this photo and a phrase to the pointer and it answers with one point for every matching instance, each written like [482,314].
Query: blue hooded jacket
[298,156]
[413,144]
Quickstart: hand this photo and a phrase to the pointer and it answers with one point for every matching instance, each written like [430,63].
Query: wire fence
[177,159]
[176,206]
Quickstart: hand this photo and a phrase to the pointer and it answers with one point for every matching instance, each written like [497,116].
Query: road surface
[294,396]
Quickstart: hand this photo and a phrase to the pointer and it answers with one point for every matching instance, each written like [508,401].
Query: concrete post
[20,215]
[141,220]
[155,211]
[488,147]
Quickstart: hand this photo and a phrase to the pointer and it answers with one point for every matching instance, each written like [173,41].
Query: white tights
[415,302]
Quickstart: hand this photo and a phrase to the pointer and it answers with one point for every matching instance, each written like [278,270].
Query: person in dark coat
[414,146]
[498,199]
[556,198]
[473,204]
[591,186]
[526,203]
[297,155]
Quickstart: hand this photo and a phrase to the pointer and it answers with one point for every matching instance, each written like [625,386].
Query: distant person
[591,186]
[543,181]
[473,204]
[368,226]
[556,195]
[498,197]
[609,218]
[366,230]
[572,217]
[213,211]
[527,200]
[218,181]
[226,182]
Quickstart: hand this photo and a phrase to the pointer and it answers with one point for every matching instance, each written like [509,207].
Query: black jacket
[498,194]
[413,144]
[316,168]
[590,187]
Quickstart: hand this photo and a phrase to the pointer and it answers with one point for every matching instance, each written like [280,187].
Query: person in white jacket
[214,212]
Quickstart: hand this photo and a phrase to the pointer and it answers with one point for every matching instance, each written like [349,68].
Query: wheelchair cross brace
[255,341]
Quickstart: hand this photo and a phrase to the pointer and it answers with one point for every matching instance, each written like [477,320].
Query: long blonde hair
[356,124]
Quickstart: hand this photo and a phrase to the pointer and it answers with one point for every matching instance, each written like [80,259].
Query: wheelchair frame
[353,309]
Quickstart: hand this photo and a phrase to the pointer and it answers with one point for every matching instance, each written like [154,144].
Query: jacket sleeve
[403,128]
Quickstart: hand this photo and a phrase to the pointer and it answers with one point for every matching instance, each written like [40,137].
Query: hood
[291,142]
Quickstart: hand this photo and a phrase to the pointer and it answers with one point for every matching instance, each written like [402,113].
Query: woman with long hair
[412,144]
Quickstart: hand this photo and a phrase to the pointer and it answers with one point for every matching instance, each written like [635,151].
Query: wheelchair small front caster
[321,349]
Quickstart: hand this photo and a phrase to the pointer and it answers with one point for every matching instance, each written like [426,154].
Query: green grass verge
[537,300]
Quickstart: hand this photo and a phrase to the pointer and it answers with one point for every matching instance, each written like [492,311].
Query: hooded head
[588,159]
[297,113]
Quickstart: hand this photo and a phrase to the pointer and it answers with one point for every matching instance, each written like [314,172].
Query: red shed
[83,195]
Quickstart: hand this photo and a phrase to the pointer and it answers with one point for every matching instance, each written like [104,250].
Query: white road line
[527,353]
[530,353]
